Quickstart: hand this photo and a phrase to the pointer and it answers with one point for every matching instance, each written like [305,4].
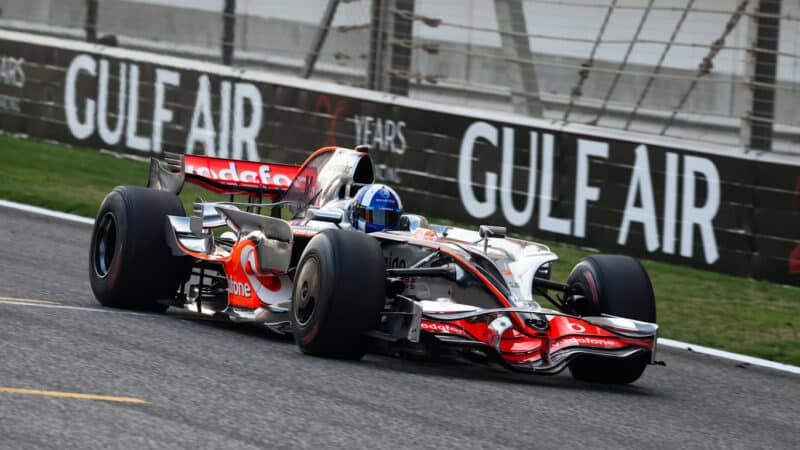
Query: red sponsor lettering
[438,327]
[241,173]
[584,341]
[239,288]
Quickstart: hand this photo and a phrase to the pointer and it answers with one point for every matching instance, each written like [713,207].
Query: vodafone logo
[436,327]
[243,288]
[584,342]
[239,288]
[268,288]
[577,328]
[248,261]
[257,174]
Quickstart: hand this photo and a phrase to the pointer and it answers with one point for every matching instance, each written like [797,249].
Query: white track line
[661,341]
[22,302]
[729,355]
[46,212]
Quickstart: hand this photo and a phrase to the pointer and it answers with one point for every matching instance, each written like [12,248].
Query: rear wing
[222,176]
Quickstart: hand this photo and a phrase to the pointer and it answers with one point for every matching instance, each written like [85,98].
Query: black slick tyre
[616,285]
[338,294]
[130,264]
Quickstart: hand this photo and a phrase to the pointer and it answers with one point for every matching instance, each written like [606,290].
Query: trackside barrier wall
[671,200]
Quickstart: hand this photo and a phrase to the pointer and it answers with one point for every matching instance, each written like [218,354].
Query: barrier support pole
[517,50]
[228,31]
[764,73]
[91,21]
[319,38]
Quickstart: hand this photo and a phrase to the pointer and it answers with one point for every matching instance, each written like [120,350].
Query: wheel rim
[105,245]
[307,297]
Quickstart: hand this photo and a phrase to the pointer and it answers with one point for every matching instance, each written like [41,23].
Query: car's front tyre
[338,294]
[619,286]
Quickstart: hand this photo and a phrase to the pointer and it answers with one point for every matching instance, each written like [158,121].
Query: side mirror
[487,231]
[411,222]
[325,215]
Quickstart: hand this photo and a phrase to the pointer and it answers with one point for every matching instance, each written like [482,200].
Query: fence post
[388,66]
[228,31]
[764,73]
[516,47]
[377,45]
[91,20]
[401,49]
[319,38]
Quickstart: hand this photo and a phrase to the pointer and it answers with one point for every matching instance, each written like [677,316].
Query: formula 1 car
[290,259]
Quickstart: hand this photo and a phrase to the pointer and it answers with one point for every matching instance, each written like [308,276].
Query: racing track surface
[212,385]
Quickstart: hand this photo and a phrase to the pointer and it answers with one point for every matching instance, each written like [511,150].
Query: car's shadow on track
[223,324]
[495,374]
[428,367]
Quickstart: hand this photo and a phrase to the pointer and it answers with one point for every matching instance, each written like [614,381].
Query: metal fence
[722,71]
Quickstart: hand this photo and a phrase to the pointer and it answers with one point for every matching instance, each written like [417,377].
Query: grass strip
[736,314]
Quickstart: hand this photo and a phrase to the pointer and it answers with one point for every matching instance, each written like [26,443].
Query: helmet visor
[382,218]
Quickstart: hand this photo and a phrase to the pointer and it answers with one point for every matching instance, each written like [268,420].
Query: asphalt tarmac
[172,380]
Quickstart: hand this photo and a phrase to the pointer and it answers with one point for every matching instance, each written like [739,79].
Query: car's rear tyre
[616,285]
[130,264]
[338,294]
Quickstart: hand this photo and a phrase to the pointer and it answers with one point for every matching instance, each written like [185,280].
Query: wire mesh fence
[722,71]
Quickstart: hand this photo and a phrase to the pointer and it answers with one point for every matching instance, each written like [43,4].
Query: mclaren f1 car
[320,252]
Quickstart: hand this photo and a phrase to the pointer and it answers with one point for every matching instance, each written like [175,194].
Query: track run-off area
[74,374]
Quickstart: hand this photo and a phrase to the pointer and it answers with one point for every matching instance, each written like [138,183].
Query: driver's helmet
[376,207]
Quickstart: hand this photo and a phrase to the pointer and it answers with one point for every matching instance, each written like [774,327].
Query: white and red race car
[288,258]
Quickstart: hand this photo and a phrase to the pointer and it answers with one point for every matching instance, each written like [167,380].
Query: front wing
[558,337]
